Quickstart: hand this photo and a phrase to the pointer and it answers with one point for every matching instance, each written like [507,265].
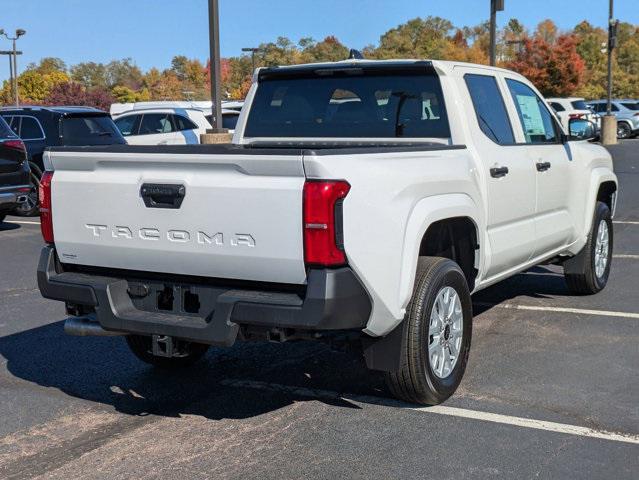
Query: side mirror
[581,129]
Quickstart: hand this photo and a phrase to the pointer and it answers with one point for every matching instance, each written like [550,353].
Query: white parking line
[626,222]
[631,257]
[23,222]
[440,410]
[582,311]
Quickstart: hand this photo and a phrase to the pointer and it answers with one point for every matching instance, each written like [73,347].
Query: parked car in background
[14,171]
[626,111]
[42,127]
[229,118]
[162,126]
[571,107]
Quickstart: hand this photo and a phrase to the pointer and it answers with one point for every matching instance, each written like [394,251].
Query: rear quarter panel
[394,197]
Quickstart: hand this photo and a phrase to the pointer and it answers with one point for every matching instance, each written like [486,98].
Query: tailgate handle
[162,195]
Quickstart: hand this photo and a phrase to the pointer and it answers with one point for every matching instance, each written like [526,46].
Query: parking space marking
[439,410]
[23,222]
[582,311]
[626,256]
[626,222]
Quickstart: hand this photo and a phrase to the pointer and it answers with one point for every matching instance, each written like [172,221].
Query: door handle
[543,166]
[498,172]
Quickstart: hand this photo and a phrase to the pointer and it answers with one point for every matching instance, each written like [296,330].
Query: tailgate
[227,215]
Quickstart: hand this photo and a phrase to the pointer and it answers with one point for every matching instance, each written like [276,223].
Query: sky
[151,32]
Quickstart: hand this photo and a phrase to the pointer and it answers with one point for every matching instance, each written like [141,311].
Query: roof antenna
[355,55]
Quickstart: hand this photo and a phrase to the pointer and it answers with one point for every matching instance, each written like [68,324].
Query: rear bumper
[9,196]
[334,300]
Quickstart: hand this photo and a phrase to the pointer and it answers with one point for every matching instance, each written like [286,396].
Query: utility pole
[495,6]
[609,121]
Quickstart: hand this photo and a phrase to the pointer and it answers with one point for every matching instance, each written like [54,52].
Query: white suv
[572,107]
[162,126]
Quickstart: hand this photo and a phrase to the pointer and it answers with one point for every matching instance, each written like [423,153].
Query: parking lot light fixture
[252,51]
[19,33]
[216,76]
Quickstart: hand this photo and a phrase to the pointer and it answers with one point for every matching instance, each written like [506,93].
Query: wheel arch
[430,217]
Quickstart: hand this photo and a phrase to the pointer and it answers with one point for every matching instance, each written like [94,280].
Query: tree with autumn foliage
[551,63]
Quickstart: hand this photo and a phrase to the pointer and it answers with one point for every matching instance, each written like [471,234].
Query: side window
[31,129]
[14,123]
[128,125]
[537,121]
[489,108]
[154,123]
[183,123]
[557,107]
[613,108]
[229,120]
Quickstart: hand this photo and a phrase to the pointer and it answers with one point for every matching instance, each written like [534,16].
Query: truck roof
[443,66]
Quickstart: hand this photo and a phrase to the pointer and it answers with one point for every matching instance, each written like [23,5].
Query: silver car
[626,111]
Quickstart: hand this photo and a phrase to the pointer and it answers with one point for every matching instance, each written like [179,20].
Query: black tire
[141,346]
[32,207]
[416,382]
[580,271]
[623,130]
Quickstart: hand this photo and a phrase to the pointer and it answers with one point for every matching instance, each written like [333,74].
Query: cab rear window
[90,130]
[349,105]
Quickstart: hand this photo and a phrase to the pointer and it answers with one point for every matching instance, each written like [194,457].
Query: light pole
[609,121]
[216,77]
[253,51]
[19,33]
[495,6]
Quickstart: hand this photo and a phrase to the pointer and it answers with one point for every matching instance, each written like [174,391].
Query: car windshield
[579,105]
[631,106]
[355,104]
[90,130]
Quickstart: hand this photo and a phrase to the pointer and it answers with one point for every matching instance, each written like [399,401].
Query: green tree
[90,74]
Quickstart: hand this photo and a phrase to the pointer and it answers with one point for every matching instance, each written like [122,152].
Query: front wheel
[437,334]
[183,355]
[587,272]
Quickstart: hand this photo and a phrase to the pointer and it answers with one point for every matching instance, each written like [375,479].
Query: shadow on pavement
[5,227]
[103,370]
[538,282]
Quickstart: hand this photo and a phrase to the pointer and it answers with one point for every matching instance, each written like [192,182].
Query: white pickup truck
[360,199]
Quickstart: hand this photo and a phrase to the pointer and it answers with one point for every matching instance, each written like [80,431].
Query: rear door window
[5,130]
[557,107]
[536,120]
[14,124]
[128,125]
[353,103]
[631,106]
[490,109]
[155,123]
[579,105]
[182,123]
[31,129]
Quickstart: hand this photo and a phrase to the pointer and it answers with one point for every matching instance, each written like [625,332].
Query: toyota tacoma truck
[359,200]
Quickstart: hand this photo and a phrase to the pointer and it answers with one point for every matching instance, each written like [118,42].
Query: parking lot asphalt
[551,390]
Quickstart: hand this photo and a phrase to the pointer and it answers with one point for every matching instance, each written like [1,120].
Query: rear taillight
[636,114]
[576,115]
[323,234]
[46,215]
[15,145]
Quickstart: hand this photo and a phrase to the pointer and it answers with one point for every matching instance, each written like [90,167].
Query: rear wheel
[30,207]
[437,334]
[587,273]
[623,130]
[184,354]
